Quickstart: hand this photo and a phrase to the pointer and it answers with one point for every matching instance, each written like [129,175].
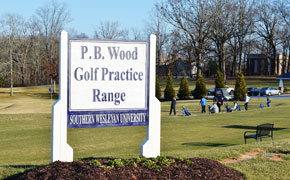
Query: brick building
[257,64]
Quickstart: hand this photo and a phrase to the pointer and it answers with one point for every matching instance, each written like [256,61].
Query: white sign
[105,83]
[107,75]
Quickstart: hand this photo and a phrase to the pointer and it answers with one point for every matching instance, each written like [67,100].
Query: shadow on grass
[92,158]
[17,176]
[207,144]
[45,95]
[20,166]
[249,127]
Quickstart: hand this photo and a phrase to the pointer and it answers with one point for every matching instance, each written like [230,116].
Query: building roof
[257,56]
[284,76]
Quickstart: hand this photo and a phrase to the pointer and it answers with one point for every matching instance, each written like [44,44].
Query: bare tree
[110,30]
[137,34]
[158,27]
[223,26]
[11,28]
[173,50]
[283,8]
[234,52]
[23,44]
[192,17]
[267,29]
[284,37]
[245,26]
[51,19]
[36,55]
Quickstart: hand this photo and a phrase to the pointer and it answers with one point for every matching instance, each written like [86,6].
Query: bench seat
[262,131]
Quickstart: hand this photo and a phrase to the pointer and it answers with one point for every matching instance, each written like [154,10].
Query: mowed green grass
[25,131]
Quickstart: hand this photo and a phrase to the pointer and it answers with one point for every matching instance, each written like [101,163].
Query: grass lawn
[25,131]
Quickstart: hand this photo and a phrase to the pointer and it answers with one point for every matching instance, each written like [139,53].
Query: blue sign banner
[107,119]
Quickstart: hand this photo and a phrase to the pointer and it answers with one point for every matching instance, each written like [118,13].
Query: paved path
[272,97]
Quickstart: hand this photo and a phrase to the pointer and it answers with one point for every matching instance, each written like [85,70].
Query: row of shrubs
[200,87]
[151,163]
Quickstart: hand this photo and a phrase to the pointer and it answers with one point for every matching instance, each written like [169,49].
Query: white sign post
[103,84]
[60,150]
[151,146]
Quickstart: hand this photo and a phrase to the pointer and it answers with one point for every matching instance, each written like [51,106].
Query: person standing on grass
[220,101]
[268,101]
[247,98]
[173,105]
[203,104]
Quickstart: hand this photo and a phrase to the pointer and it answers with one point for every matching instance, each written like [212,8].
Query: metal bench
[262,131]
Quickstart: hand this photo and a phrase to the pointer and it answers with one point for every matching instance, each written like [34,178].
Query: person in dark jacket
[219,103]
[173,105]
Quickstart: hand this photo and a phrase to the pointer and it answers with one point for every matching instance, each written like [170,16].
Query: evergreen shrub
[169,91]
[219,82]
[200,88]
[240,87]
[157,89]
[183,92]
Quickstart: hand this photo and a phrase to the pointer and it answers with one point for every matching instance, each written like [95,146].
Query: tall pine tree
[169,91]
[200,88]
[183,92]
[219,82]
[240,87]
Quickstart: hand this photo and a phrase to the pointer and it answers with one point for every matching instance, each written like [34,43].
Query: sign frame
[60,150]
[104,111]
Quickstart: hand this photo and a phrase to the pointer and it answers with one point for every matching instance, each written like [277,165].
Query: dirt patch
[246,156]
[168,168]
[272,156]
[250,155]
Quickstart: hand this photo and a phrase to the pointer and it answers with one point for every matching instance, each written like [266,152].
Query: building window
[255,66]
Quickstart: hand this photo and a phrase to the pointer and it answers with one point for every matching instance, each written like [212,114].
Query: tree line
[214,34]
[223,32]
[29,48]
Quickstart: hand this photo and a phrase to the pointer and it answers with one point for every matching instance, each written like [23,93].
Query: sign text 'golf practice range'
[105,83]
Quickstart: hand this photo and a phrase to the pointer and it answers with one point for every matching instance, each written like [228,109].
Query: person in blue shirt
[228,108]
[203,104]
[268,101]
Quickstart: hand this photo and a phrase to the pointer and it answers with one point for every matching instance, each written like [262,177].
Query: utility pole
[11,63]
[11,73]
